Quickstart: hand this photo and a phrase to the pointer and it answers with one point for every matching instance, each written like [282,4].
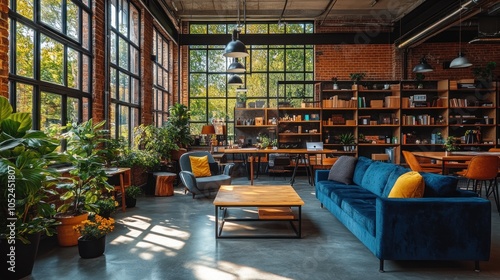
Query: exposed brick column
[4,48]
[146,67]
[98,70]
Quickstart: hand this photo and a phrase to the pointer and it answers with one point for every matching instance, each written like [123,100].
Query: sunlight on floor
[228,270]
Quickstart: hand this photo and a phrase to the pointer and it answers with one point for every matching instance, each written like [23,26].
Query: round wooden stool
[164,183]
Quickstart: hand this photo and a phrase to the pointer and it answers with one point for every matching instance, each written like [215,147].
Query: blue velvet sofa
[446,224]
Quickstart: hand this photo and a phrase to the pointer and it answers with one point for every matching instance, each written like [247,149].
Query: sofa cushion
[409,185]
[361,166]
[398,171]
[343,169]
[437,185]
[376,177]
[200,166]
[362,212]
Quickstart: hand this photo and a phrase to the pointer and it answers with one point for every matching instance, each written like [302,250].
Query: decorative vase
[335,86]
[66,235]
[25,255]
[92,248]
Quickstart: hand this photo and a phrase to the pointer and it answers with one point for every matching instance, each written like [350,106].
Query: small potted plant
[356,78]
[106,206]
[450,144]
[335,85]
[92,240]
[241,100]
[131,194]
[347,139]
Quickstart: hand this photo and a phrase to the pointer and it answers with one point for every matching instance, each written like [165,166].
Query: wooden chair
[483,170]
[412,161]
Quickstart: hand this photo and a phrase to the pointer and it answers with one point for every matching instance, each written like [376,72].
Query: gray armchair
[203,185]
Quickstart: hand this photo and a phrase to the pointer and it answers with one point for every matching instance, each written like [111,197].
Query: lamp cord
[460,32]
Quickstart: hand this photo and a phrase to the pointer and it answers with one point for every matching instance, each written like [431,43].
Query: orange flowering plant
[95,227]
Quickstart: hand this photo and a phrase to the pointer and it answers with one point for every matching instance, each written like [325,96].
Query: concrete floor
[173,238]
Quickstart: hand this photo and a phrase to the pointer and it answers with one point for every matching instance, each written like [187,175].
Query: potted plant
[274,143]
[92,240]
[484,75]
[80,192]
[106,206]
[25,156]
[450,144]
[335,85]
[241,100]
[347,139]
[356,78]
[131,194]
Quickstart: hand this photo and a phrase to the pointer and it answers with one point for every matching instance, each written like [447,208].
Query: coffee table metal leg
[216,222]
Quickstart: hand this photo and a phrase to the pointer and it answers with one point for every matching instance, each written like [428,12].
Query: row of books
[418,120]
[335,102]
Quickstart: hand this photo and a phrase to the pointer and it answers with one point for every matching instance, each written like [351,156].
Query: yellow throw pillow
[408,185]
[200,166]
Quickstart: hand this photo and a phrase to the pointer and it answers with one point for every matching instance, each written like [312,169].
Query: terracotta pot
[66,235]
[91,248]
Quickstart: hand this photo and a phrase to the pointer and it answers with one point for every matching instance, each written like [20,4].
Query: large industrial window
[50,60]
[162,85]
[210,96]
[124,72]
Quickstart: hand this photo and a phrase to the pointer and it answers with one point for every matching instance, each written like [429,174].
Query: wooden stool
[164,183]
[380,157]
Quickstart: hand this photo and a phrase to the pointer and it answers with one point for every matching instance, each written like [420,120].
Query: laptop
[314,146]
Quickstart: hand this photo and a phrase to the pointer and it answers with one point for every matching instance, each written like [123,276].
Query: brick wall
[98,73]
[4,48]
[146,67]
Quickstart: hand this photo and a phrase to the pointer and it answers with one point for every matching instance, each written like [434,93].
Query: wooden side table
[164,183]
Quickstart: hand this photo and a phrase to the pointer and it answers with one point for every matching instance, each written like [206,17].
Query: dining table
[300,154]
[448,158]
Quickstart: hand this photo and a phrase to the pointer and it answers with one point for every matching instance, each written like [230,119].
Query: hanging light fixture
[236,67]
[236,48]
[235,80]
[461,61]
[422,67]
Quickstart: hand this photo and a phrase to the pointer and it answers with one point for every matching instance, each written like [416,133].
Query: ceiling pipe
[485,40]
[426,32]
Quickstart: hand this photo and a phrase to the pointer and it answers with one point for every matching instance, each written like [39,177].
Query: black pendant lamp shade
[460,62]
[235,48]
[236,67]
[422,67]
[235,80]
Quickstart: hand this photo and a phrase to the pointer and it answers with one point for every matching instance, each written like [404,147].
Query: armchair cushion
[214,168]
[200,166]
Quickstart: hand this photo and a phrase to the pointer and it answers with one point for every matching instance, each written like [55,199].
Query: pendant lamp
[235,80]
[236,48]
[461,61]
[236,67]
[422,67]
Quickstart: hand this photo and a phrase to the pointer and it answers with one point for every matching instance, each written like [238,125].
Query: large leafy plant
[81,191]
[178,125]
[24,175]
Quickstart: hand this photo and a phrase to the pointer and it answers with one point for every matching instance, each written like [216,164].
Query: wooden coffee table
[275,203]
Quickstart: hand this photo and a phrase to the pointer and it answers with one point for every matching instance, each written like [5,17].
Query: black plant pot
[130,202]
[91,248]
[23,257]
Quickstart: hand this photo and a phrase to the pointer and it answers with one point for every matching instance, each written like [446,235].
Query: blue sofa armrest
[321,175]
[451,228]
[189,181]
